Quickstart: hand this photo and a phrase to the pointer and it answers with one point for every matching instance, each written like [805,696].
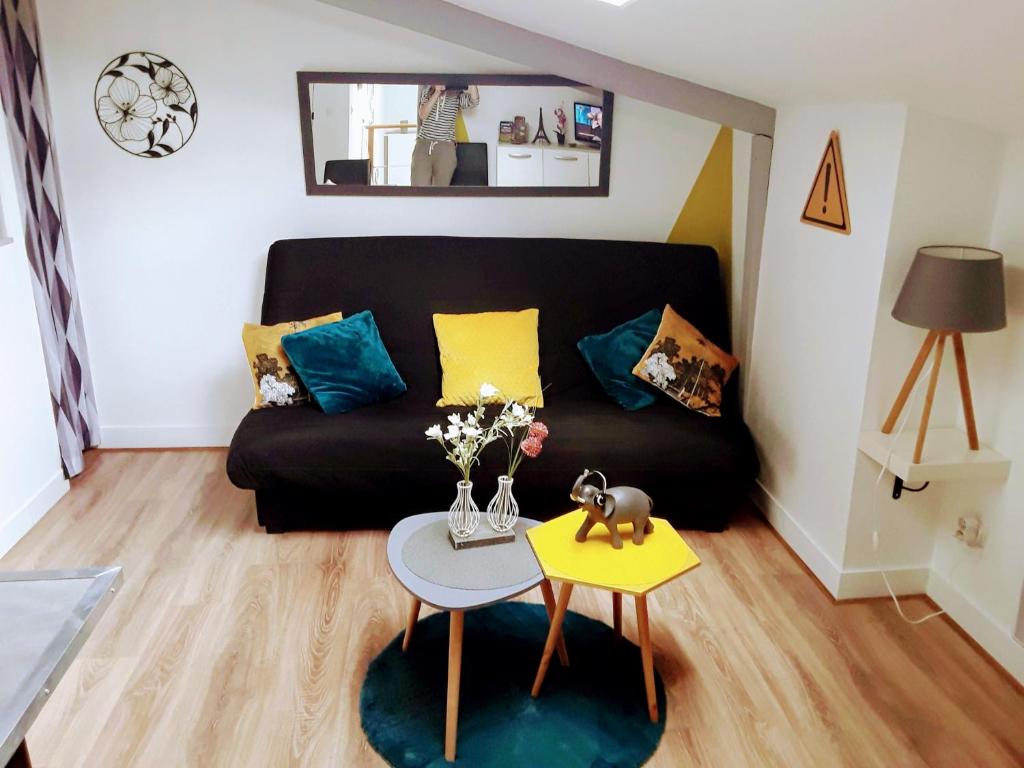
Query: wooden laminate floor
[228,647]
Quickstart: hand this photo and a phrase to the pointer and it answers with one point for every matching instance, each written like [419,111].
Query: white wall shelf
[946,456]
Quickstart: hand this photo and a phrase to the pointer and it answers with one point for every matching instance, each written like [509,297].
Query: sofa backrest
[580,286]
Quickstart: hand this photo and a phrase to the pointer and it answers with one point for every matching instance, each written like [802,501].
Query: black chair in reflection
[347,171]
[471,170]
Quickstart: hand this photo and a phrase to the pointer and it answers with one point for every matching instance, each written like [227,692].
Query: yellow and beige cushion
[685,365]
[267,358]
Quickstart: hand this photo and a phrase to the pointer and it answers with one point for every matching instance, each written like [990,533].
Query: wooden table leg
[451,723]
[617,614]
[20,758]
[647,655]
[414,616]
[549,605]
[553,634]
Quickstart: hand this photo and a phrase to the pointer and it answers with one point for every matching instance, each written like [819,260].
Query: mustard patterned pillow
[273,380]
[686,366]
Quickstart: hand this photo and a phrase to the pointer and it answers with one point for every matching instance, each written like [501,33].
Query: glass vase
[464,514]
[503,511]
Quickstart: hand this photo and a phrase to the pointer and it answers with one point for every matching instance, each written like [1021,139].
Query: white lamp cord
[874,503]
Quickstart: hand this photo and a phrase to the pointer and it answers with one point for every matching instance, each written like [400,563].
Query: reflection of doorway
[362,105]
[381,109]
[329,117]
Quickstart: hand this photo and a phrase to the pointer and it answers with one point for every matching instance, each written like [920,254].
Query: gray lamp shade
[953,288]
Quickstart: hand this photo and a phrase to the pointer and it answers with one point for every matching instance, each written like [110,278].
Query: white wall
[982,588]
[948,183]
[817,297]
[828,360]
[171,252]
[31,480]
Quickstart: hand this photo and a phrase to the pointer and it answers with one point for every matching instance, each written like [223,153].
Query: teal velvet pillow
[344,365]
[612,355]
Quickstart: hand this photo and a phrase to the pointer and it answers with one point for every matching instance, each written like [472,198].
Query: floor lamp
[950,290]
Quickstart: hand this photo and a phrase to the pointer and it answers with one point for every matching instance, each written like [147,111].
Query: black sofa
[373,466]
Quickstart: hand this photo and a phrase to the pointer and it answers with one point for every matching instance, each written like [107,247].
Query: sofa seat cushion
[661,440]
[382,446]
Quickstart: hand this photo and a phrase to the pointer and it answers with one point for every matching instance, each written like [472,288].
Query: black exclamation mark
[828,178]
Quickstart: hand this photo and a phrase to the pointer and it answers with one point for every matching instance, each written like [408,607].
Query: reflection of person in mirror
[433,159]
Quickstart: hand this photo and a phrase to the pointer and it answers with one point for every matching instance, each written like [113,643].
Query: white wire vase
[503,510]
[464,514]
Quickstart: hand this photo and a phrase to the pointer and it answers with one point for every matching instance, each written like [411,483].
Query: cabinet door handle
[520,156]
[567,158]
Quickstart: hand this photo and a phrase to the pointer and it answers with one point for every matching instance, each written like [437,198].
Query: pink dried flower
[539,430]
[531,447]
[562,119]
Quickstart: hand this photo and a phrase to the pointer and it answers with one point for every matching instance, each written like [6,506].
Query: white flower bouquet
[465,438]
[463,441]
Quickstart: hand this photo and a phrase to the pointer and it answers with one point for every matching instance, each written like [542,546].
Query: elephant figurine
[612,506]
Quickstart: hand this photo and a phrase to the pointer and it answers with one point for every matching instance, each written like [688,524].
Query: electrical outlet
[968,530]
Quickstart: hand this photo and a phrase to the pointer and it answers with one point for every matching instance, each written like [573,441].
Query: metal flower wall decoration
[146,105]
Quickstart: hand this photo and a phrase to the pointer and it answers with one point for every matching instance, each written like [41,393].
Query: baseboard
[199,436]
[841,584]
[995,639]
[868,582]
[32,511]
[806,548]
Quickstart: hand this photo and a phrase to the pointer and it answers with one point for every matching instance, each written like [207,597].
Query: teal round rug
[592,714]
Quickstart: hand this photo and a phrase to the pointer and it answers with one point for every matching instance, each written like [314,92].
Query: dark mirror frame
[305,79]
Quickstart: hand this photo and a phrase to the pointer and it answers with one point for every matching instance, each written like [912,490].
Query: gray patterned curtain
[27,106]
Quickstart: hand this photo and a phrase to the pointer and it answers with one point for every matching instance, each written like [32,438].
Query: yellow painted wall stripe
[706,216]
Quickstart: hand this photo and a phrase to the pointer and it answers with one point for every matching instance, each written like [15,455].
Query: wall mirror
[445,134]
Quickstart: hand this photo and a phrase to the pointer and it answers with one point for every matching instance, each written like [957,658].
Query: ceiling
[961,58]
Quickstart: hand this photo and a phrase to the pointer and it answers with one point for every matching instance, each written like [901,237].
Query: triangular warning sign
[826,205]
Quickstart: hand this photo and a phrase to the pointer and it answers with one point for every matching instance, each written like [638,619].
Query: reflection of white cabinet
[565,168]
[533,165]
[520,165]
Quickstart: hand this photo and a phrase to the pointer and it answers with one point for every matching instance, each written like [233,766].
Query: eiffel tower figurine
[541,134]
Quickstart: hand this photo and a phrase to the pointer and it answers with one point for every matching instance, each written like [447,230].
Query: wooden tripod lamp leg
[965,391]
[929,398]
[908,385]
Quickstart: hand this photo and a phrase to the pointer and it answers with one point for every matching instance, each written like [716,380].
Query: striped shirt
[439,124]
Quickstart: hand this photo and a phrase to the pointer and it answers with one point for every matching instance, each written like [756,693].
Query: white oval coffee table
[456,581]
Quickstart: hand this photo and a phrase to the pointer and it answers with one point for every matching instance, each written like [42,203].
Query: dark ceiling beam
[446,21]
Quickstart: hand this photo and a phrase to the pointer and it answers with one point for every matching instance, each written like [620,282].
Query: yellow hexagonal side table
[633,570]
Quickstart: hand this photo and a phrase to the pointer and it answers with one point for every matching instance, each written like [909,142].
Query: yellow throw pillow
[686,366]
[266,357]
[498,348]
